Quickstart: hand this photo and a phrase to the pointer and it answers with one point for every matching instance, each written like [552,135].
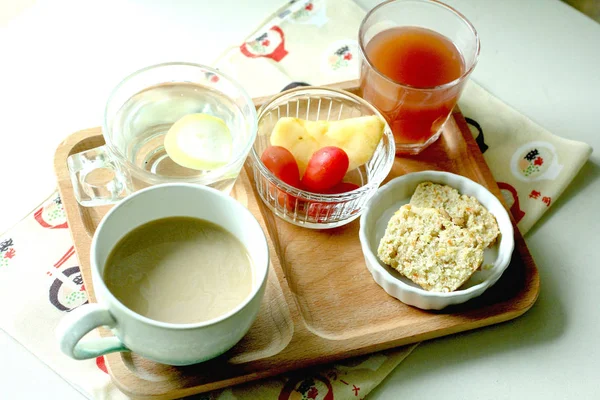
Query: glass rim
[437,3]
[211,174]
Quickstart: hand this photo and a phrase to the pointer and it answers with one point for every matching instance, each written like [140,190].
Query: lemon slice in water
[199,141]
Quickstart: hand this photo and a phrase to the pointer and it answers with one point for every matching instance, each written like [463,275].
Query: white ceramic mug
[167,343]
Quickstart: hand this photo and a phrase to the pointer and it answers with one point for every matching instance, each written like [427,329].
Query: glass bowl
[316,210]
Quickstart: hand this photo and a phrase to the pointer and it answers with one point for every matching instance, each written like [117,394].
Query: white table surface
[60,58]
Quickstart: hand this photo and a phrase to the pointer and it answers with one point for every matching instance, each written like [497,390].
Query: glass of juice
[416,57]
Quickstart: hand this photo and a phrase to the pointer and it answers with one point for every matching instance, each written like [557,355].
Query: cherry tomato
[326,168]
[286,200]
[282,164]
[320,211]
[341,187]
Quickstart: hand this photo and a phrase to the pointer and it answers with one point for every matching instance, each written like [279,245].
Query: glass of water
[139,113]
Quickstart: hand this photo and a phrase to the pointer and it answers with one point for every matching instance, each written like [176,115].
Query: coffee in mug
[180,270]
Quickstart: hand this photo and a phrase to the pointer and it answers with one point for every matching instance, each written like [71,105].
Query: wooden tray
[321,303]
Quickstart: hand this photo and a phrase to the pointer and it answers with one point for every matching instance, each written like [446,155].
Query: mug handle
[75,325]
[96,178]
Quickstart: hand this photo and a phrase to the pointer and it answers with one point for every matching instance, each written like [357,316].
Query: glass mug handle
[96,178]
[75,325]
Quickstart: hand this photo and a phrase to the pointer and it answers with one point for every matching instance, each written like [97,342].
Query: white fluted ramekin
[389,198]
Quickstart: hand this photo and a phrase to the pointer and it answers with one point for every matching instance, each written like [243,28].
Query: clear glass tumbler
[139,113]
[416,58]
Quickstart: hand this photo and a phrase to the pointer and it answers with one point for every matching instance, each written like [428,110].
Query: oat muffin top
[465,211]
[427,247]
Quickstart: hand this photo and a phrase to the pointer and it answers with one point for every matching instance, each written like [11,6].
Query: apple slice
[358,137]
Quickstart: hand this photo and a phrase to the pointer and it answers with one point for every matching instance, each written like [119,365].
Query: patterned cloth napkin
[531,166]
[307,41]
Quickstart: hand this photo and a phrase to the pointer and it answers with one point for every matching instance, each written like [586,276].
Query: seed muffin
[465,211]
[424,245]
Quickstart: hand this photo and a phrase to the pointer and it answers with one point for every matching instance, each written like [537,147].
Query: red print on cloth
[312,393]
[534,194]
[270,45]
[512,200]
[211,76]
[7,251]
[66,291]
[306,387]
[38,217]
[65,257]
[10,253]
[101,364]
[546,200]
[56,207]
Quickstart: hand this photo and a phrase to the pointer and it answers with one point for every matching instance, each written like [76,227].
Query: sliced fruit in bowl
[357,137]
[340,163]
